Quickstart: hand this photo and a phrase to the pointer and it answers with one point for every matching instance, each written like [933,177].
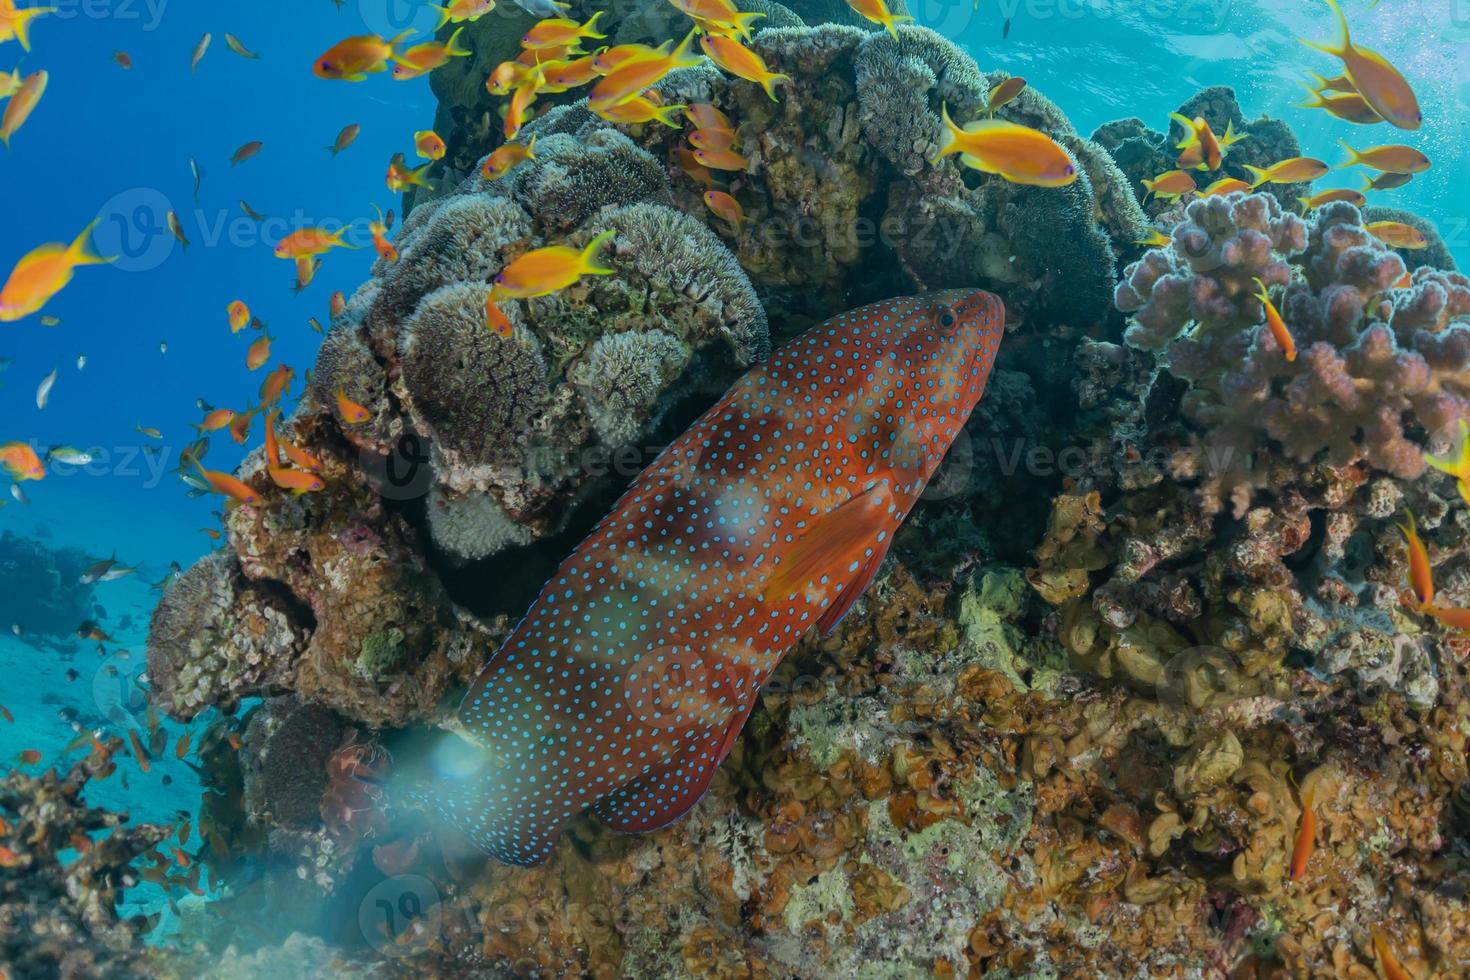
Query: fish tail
[1344,44]
[1354,157]
[1315,100]
[668,115]
[1261,176]
[444,15]
[589,29]
[1191,137]
[23,24]
[453,47]
[954,134]
[1368,183]
[337,240]
[80,255]
[744,22]
[531,149]
[769,80]
[681,58]
[393,54]
[588,260]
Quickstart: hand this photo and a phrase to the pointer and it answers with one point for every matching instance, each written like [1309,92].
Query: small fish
[245,152]
[351,412]
[276,384]
[239,315]
[1295,170]
[1155,239]
[21,463]
[424,58]
[8,858]
[401,177]
[5,713]
[548,270]
[495,319]
[69,455]
[1458,465]
[140,755]
[19,495]
[115,573]
[386,250]
[162,347]
[693,169]
[877,12]
[712,139]
[1372,76]
[1005,29]
[506,157]
[721,159]
[239,48]
[21,105]
[558,31]
[295,480]
[258,353]
[198,175]
[1203,150]
[1388,159]
[1347,194]
[43,390]
[429,144]
[309,242]
[315,325]
[741,62]
[637,74]
[1226,185]
[1350,107]
[517,113]
[723,205]
[228,486]
[1397,234]
[1392,968]
[298,457]
[43,272]
[507,77]
[643,109]
[462,11]
[355,58]
[1421,576]
[563,76]
[1017,153]
[123,59]
[96,570]
[1003,94]
[718,17]
[337,305]
[177,227]
[1386,182]
[216,419]
[1275,323]
[1170,186]
[306,269]
[542,8]
[199,51]
[250,212]
[345,138]
[30,756]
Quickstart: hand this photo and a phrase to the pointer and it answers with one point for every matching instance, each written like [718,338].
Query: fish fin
[850,594]
[1354,157]
[834,545]
[664,794]
[443,13]
[531,149]
[453,48]
[23,24]
[1260,176]
[589,255]
[769,83]
[79,252]
[681,58]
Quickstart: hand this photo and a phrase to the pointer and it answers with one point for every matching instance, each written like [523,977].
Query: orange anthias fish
[1392,968]
[229,486]
[1306,836]
[276,384]
[877,11]
[1275,323]
[636,74]
[1394,233]
[1395,158]
[1017,153]
[548,270]
[463,11]
[1170,186]
[216,420]
[725,206]
[239,315]
[258,353]
[642,109]
[245,152]
[1347,194]
[140,755]
[495,319]
[296,481]
[310,241]
[401,177]
[42,273]
[429,144]
[424,58]
[22,104]
[1373,77]
[352,413]
[1421,576]
[299,458]
[1295,170]
[354,59]
[741,62]
[718,17]
[505,158]
[557,32]
[20,462]
[1203,150]
[386,250]
[790,529]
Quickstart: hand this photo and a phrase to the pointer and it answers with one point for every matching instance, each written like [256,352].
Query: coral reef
[41,592]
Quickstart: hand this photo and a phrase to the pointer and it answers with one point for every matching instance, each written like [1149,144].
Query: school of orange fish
[1367,90]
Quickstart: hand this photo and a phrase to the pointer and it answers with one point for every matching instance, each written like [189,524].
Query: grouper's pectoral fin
[835,550]
[664,794]
[851,593]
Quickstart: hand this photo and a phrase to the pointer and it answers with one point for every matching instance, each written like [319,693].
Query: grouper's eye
[946,319]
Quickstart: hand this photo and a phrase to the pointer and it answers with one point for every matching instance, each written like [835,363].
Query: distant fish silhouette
[633,673]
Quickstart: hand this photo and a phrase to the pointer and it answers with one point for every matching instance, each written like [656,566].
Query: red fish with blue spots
[634,671]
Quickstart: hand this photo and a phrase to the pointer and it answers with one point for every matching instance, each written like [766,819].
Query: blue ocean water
[117,143]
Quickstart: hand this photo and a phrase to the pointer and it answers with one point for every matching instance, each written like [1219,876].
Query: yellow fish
[429,144]
[1004,94]
[239,316]
[1347,194]
[1397,234]
[505,158]
[1458,465]
[462,11]
[641,110]
[1170,186]
[352,413]
[22,104]
[725,206]
[741,62]
[401,177]
[1373,77]
[877,12]
[637,74]
[355,58]
[556,32]
[1155,239]
[10,83]
[1294,170]
[1017,153]
[1350,107]
[16,24]
[1275,323]
[42,273]
[549,270]
[1389,159]
[1225,185]
[424,58]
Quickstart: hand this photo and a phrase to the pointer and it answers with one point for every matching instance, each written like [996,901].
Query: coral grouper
[637,666]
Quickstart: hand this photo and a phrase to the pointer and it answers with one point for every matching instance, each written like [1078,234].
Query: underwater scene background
[1162,675]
